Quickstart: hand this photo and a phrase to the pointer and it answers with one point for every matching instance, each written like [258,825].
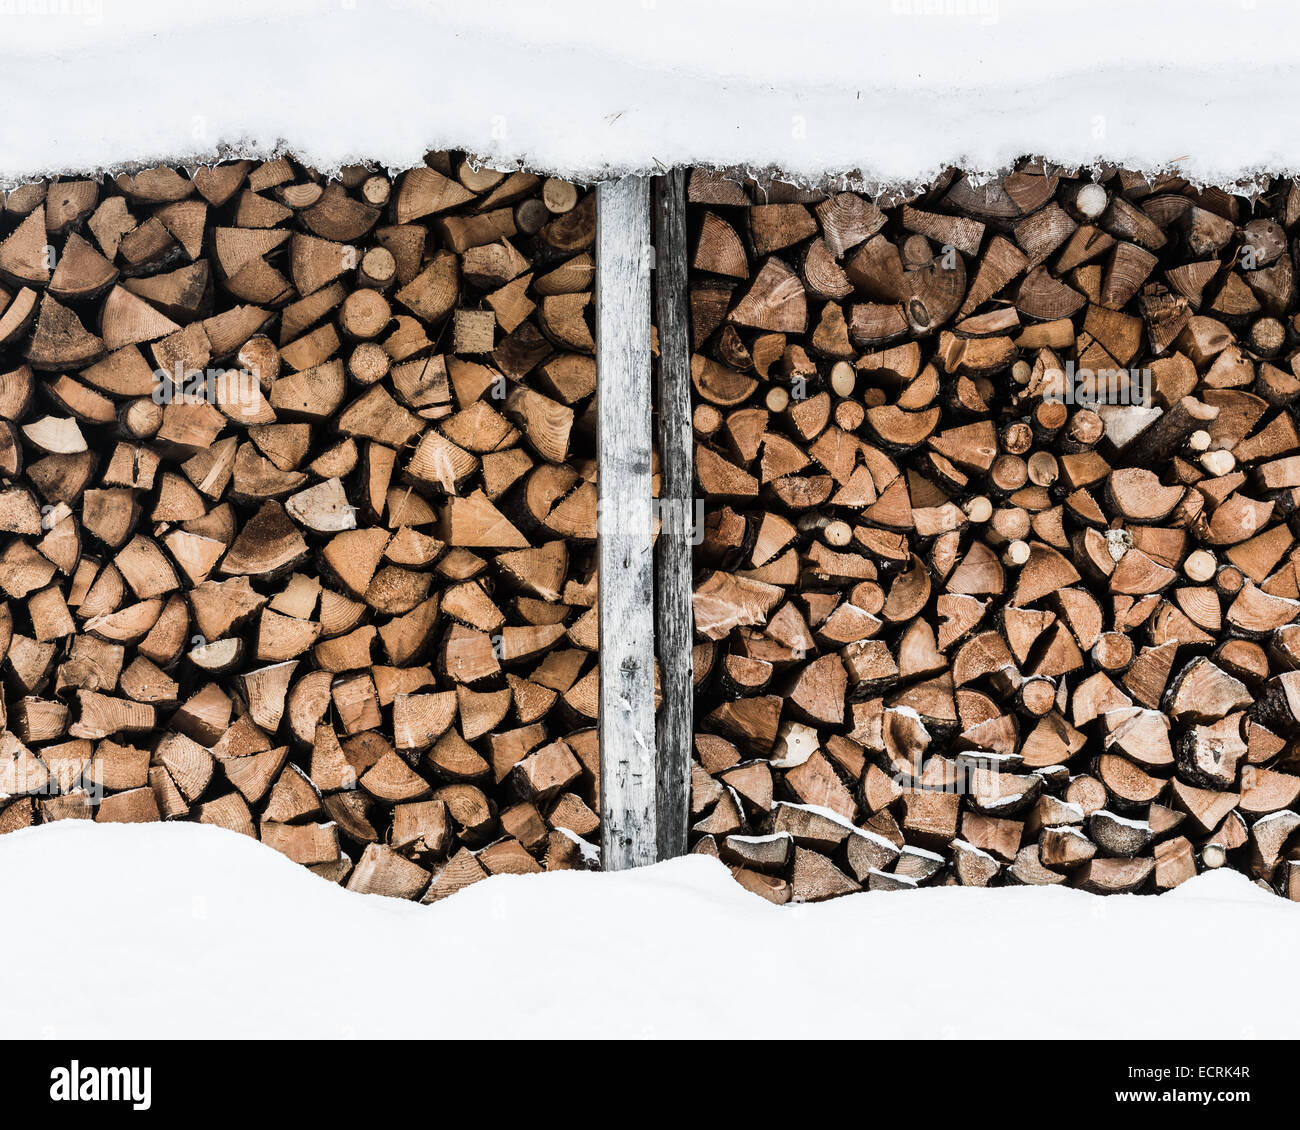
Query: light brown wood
[1000,479]
[342,560]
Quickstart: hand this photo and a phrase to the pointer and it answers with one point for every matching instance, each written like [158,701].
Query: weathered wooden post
[626,551]
[673,633]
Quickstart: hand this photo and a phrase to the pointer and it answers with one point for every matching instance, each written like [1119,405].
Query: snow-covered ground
[188,930]
[892,89]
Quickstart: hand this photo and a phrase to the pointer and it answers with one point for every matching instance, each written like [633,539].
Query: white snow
[1286,815]
[588,852]
[893,91]
[186,930]
[1069,813]
[987,759]
[967,846]
[771,838]
[923,853]
[1000,801]
[1126,821]
[1125,422]
[906,881]
[821,810]
[875,838]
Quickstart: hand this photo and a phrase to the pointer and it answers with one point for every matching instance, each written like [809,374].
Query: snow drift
[890,91]
[186,930]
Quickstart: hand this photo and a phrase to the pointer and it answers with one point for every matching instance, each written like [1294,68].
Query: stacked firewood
[998,577]
[298,512]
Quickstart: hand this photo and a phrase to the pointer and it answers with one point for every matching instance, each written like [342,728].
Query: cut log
[178,468]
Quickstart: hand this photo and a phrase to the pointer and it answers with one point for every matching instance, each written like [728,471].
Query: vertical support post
[626,549]
[673,565]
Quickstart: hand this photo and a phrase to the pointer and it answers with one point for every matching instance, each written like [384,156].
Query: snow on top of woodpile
[887,93]
[130,919]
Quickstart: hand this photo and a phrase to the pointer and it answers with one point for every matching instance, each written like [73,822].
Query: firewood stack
[297,514]
[968,609]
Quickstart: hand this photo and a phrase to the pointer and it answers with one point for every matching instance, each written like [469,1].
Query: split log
[299,510]
[998,558]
